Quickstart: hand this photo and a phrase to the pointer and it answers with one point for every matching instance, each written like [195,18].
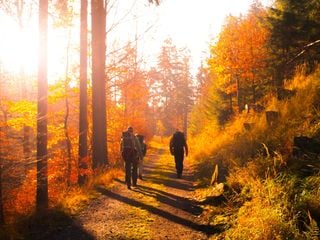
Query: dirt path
[160,207]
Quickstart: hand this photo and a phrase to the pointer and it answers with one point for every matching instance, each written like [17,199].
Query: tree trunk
[68,142]
[253,90]
[66,134]
[99,132]
[1,201]
[3,152]
[238,94]
[253,78]
[42,163]
[27,130]
[185,121]
[3,134]
[83,118]
[66,118]
[27,152]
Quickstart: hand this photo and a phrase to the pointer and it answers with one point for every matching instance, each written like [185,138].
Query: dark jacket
[178,144]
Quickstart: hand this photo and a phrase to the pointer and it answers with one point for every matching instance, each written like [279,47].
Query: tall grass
[272,200]
[76,198]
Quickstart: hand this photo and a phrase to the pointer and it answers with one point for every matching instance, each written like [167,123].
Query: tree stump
[284,94]
[272,117]
[305,145]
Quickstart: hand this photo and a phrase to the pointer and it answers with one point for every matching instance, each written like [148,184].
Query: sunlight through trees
[255,93]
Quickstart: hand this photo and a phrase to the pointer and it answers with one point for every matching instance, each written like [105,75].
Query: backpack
[178,140]
[128,149]
[142,144]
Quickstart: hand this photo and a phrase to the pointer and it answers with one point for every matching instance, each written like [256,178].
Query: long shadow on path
[176,201]
[164,175]
[198,227]
[171,199]
[170,183]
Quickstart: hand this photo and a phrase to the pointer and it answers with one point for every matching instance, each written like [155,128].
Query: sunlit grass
[78,197]
[104,178]
[137,225]
[267,199]
[264,211]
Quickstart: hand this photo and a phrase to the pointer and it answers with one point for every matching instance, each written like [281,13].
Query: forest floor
[160,207]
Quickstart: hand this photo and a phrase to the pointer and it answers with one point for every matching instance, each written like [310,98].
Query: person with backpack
[131,154]
[178,147]
[143,146]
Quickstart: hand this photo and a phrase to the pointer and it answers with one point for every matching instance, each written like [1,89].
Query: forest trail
[160,207]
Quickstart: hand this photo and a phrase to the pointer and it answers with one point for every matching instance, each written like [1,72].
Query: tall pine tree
[99,131]
[42,153]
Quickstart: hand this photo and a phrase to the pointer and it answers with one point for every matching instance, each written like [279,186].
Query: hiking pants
[178,158]
[140,167]
[131,166]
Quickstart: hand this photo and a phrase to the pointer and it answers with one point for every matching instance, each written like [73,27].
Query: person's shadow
[207,229]
[170,199]
[175,201]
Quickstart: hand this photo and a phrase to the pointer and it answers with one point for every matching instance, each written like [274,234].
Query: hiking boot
[140,177]
[129,187]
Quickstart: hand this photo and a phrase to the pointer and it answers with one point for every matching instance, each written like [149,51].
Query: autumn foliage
[263,61]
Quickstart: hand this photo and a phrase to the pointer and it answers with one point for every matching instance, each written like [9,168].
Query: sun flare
[18,48]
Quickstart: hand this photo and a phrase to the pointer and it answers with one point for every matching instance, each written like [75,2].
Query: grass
[265,209]
[267,197]
[138,227]
[77,198]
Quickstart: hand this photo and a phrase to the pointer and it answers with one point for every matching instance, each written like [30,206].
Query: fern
[313,231]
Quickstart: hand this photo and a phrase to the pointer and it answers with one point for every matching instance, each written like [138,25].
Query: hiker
[143,147]
[131,154]
[178,146]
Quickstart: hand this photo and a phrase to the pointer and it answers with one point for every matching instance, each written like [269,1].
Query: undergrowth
[70,202]
[265,191]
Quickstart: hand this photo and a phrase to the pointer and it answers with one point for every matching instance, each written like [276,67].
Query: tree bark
[99,132]
[1,201]
[185,121]
[238,94]
[3,145]
[68,142]
[66,118]
[42,158]
[83,118]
